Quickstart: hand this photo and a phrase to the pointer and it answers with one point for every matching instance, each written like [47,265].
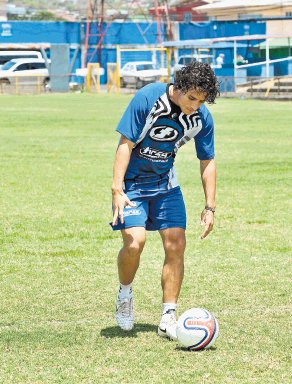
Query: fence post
[88,78]
[38,86]
[16,85]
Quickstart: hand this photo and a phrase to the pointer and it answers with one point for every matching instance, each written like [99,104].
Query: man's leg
[174,243]
[129,256]
[128,263]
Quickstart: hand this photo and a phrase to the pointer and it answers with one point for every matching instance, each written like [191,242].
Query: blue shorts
[157,207]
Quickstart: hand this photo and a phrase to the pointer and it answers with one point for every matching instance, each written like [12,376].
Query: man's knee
[134,241]
[134,247]
[175,245]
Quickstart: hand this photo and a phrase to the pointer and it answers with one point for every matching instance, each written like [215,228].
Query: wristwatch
[209,209]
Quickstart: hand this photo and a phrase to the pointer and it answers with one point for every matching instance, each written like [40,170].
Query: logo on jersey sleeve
[163,133]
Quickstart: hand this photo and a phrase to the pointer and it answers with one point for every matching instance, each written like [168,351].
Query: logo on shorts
[132,212]
[163,133]
[154,154]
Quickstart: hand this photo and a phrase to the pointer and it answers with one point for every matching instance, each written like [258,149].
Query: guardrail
[267,66]
[264,87]
[288,58]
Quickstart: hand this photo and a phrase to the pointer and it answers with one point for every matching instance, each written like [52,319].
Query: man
[240,60]
[146,195]
[220,60]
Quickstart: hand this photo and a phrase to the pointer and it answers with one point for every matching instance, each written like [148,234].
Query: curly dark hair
[200,77]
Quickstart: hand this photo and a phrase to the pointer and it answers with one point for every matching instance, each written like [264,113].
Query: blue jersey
[159,128]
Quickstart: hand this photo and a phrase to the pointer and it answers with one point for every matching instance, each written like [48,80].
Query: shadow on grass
[112,332]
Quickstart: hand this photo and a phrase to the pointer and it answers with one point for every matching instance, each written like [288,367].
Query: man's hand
[207,220]
[120,200]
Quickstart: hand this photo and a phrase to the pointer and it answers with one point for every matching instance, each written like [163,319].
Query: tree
[46,15]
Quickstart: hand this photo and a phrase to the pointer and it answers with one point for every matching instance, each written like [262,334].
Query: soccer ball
[197,329]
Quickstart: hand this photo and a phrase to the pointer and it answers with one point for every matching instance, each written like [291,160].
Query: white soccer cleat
[167,326]
[125,313]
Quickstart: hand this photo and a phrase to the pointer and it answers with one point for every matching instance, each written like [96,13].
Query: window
[38,66]
[187,17]
[22,67]
[186,60]
[144,67]
[247,16]
[8,65]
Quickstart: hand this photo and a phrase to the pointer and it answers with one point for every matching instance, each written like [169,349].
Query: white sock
[125,290]
[168,307]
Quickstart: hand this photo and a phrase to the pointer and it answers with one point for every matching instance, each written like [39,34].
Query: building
[277,12]
[247,9]
[181,10]
[3,10]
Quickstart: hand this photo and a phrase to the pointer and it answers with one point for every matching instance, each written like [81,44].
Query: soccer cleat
[125,313]
[167,326]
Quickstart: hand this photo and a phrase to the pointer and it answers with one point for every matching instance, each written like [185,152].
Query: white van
[10,55]
[187,59]
[24,72]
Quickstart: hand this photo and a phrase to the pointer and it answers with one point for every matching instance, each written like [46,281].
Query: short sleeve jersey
[159,128]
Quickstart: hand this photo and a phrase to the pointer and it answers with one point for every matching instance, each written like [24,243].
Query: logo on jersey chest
[163,133]
[154,154]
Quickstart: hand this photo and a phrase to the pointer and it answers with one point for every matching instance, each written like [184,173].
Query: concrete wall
[279,27]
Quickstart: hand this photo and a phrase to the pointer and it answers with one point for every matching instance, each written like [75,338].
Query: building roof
[220,42]
[202,43]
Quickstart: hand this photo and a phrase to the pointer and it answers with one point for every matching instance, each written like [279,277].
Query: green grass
[58,275]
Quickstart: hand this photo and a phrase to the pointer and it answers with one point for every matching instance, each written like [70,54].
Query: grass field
[58,255]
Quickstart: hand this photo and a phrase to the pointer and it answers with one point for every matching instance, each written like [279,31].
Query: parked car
[139,73]
[187,59]
[24,72]
[6,56]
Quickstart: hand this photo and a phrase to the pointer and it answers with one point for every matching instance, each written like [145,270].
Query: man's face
[189,102]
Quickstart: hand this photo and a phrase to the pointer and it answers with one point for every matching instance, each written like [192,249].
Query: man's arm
[119,198]
[208,176]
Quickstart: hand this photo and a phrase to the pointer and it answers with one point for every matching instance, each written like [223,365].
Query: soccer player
[145,191]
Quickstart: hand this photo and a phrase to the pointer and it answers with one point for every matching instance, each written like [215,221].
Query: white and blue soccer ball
[197,329]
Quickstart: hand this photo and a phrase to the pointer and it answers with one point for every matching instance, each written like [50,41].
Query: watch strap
[209,209]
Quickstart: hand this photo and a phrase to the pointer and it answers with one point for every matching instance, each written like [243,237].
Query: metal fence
[263,87]
[39,84]
[276,87]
